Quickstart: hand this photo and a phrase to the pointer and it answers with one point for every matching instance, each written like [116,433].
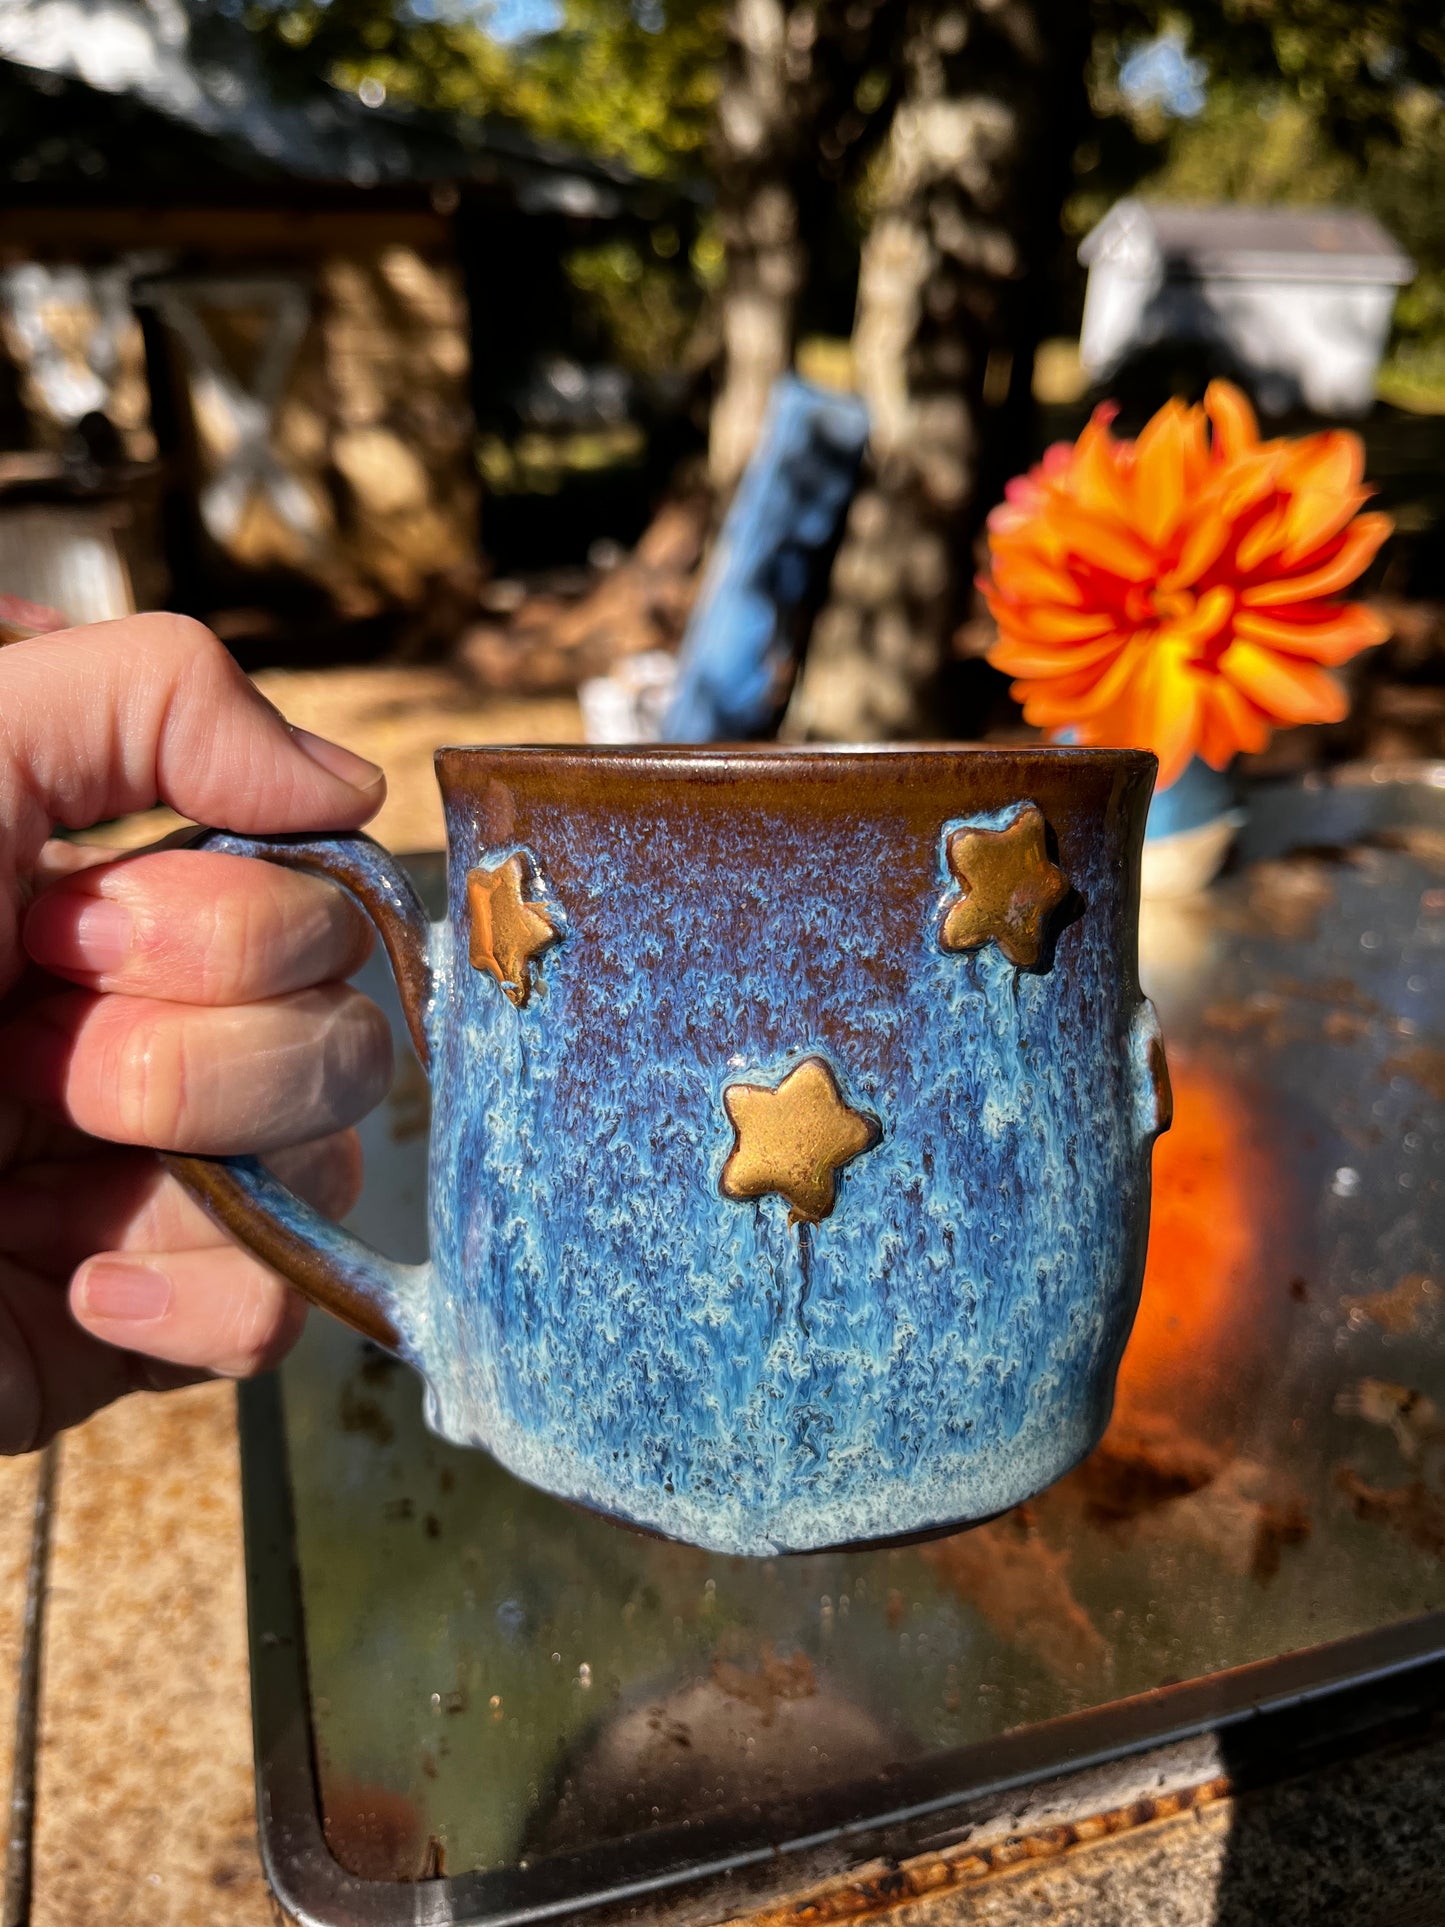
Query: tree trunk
[977,163]
[758,216]
[789,128]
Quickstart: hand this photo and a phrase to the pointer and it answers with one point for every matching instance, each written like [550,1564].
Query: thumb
[118,716]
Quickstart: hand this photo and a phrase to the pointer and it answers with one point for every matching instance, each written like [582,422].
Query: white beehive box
[1298,299]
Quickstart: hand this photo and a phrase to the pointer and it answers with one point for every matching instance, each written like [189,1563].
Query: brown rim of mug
[694,755]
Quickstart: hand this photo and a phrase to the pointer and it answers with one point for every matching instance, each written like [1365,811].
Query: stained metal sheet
[497,1682]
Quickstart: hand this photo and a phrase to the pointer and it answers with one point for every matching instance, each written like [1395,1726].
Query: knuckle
[155,1078]
[263,1321]
[223,942]
[181,640]
[247,1078]
[353,937]
[193,663]
[327,1172]
[170,653]
[357,1052]
[259,931]
[237,938]
[126,1072]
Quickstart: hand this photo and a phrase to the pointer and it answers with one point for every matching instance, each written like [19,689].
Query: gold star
[794,1140]
[508,933]
[1007,889]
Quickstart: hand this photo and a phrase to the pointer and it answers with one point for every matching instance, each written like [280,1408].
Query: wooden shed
[290,314]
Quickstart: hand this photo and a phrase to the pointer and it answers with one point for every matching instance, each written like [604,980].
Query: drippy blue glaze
[611,1327]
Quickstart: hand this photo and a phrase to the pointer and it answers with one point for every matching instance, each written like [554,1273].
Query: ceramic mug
[791,1128]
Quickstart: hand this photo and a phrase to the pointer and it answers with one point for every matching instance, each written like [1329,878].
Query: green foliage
[644,299]
[614,80]
[1317,101]
[1252,144]
[609,84]
[446,63]
[1350,63]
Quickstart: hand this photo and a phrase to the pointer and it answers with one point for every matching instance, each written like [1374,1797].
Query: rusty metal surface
[15,1903]
[497,1682]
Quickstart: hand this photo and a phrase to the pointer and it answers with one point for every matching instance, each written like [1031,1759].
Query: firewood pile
[557,634]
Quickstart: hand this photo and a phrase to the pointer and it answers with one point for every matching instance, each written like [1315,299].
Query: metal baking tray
[475,1704]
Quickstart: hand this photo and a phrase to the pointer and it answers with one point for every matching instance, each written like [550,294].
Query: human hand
[179,1000]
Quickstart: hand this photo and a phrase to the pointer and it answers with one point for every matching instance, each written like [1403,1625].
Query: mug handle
[333,1268]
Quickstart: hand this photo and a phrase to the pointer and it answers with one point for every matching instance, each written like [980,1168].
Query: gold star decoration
[794,1140]
[1008,889]
[508,933]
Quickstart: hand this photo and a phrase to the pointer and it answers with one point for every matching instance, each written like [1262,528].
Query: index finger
[100,721]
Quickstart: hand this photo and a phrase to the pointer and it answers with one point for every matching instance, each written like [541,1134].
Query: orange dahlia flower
[1176,593]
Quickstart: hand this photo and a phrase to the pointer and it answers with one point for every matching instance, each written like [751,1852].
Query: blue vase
[1201,795]
[1189,830]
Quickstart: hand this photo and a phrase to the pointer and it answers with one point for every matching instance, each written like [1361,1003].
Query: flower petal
[1217,746]
[1312,517]
[1230,725]
[1287,690]
[1357,550]
[1246,484]
[1067,699]
[1236,431]
[1329,632]
[1019,656]
[1097,482]
[1332,462]
[1210,614]
[1261,540]
[1105,545]
[1160,460]
[1027,578]
[1049,624]
[1321,476]
[1163,711]
[1204,542]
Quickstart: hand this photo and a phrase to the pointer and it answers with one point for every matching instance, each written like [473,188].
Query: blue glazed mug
[791,1127]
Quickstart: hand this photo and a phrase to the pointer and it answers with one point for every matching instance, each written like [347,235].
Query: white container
[1298,299]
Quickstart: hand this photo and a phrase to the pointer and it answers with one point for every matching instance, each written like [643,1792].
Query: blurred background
[419,346]
[469,364]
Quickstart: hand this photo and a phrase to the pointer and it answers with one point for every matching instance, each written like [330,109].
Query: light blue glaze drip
[612,1328]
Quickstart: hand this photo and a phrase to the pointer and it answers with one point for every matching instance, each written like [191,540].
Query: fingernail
[97,938]
[336,761]
[104,933]
[112,1289]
